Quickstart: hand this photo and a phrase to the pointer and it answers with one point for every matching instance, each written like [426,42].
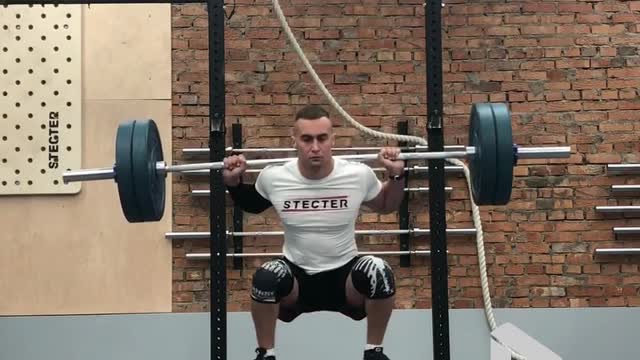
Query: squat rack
[217,151]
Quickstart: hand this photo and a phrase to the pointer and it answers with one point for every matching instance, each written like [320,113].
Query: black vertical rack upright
[437,214]
[217,215]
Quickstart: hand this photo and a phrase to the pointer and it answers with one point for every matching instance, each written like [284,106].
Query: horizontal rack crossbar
[631,230]
[625,188]
[617,209]
[417,231]
[621,169]
[618,251]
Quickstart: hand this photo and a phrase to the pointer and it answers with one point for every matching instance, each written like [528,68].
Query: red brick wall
[569,70]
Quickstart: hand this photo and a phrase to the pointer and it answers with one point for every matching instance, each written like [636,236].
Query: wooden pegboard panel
[40,98]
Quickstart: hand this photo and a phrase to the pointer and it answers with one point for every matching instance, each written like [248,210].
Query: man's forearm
[249,200]
[393,191]
[231,181]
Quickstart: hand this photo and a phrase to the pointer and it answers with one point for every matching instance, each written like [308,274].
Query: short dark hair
[311,112]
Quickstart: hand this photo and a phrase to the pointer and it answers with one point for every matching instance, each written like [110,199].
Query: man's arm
[389,198]
[247,197]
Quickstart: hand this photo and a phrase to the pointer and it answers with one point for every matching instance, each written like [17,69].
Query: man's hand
[388,157]
[234,167]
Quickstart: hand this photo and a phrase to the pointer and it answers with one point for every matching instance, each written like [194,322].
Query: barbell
[204,256]
[140,171]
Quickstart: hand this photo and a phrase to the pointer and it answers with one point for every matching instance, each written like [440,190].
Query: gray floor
[580,334]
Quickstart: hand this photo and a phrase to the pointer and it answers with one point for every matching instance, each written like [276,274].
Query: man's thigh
[325,291]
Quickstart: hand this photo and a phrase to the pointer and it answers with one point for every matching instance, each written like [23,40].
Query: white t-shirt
[319,216]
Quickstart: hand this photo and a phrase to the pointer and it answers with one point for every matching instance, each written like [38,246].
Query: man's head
[313,136]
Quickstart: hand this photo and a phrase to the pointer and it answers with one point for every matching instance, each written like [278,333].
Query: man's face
[313,139]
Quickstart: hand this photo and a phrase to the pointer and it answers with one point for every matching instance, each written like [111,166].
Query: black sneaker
[375,354]
[261,355]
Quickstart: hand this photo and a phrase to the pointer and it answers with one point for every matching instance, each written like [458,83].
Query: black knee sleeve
[373,277]
[271,282]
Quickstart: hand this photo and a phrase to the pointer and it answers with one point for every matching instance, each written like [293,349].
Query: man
[318,198]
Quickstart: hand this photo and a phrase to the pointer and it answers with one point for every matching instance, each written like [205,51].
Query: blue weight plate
[124,172]
[483,164]
[505,156]
[149,184]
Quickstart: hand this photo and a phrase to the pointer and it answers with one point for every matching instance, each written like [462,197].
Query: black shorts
[324,291]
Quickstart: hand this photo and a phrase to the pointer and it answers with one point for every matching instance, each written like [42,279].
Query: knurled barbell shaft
[417,231]
[356,157]
[106,173]
[381,253]
[415,168]
[205,151]
[522,153]
[205,193]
